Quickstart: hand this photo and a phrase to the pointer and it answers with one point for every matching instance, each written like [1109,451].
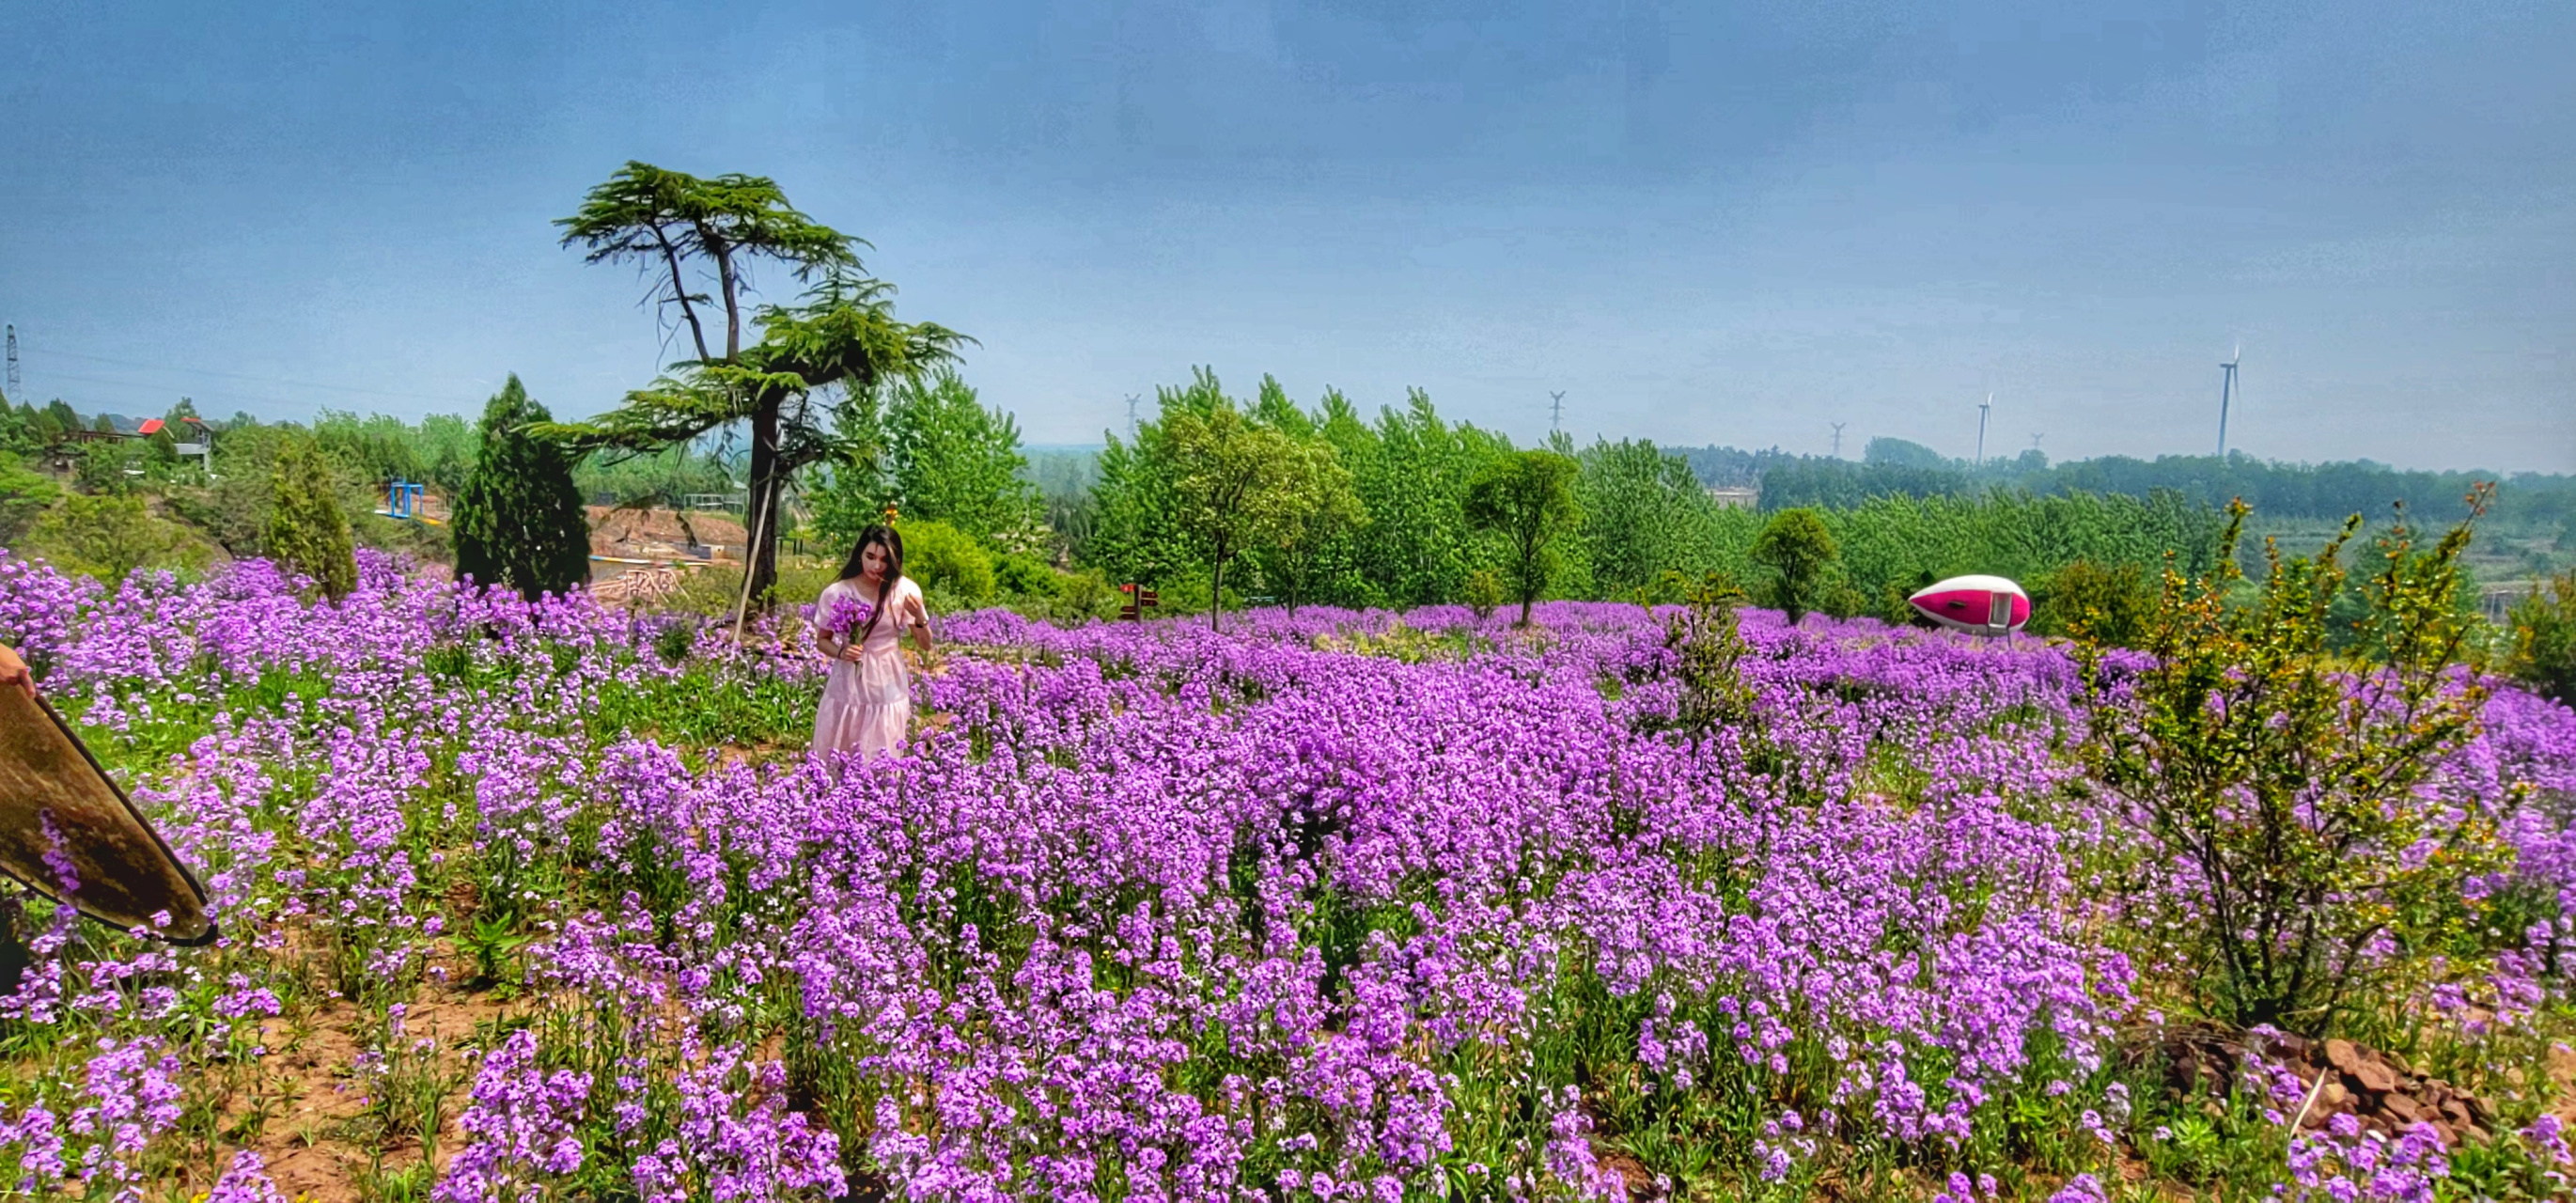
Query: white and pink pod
[1979,605]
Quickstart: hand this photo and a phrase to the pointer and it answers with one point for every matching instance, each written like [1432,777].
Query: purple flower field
[1328,906]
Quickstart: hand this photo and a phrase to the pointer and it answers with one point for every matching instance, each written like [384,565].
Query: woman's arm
[920,620]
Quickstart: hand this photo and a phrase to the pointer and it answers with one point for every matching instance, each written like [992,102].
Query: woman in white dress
[867,699]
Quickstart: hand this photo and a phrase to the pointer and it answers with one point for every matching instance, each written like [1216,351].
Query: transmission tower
[1131,416]
[1555,412]
[1838,438]
[13,366]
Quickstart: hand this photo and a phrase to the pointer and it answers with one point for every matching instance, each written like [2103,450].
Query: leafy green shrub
[2284,790]
[24,497]
[1484,593]
[1711,647]
[1027,576]
[109,536]
[2109,603]
[1087,596]
[947,560]
[2544,639]
[1841,599]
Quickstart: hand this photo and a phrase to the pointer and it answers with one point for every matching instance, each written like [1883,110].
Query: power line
[242,398]
[156,367]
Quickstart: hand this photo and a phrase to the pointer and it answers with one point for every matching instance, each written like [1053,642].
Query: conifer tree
[306,530]
[519,520]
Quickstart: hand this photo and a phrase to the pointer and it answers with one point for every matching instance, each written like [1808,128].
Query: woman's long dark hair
[884,536]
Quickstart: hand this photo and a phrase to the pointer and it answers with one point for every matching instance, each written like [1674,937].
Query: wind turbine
[1981,428]
[2226,392]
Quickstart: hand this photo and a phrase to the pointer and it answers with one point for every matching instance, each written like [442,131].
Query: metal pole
[742,605]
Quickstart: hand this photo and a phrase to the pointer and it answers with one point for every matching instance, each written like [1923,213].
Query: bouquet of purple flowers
[846,617]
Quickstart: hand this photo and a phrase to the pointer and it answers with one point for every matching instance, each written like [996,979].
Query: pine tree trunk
[760,513]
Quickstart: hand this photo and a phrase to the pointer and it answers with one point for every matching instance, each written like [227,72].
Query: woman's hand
[14,674]
[851,652]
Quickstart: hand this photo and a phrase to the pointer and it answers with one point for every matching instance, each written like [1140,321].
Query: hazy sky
[1731,228]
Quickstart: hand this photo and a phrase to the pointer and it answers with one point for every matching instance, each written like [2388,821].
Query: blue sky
[1705,223]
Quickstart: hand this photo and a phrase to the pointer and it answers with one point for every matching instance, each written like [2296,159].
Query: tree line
[1260,498]
[2327,492]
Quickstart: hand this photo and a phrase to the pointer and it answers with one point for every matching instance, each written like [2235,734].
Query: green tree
[19,437]
[234,507]
[373,450]
[306,530]
[954,460]
[1527,499]
[519,522]
[1326,511]
[1800,553]
[842,341]
[445,446]
[1412,471]
[1136,530]
[1646,514]
[1315,538]
[1237,483]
